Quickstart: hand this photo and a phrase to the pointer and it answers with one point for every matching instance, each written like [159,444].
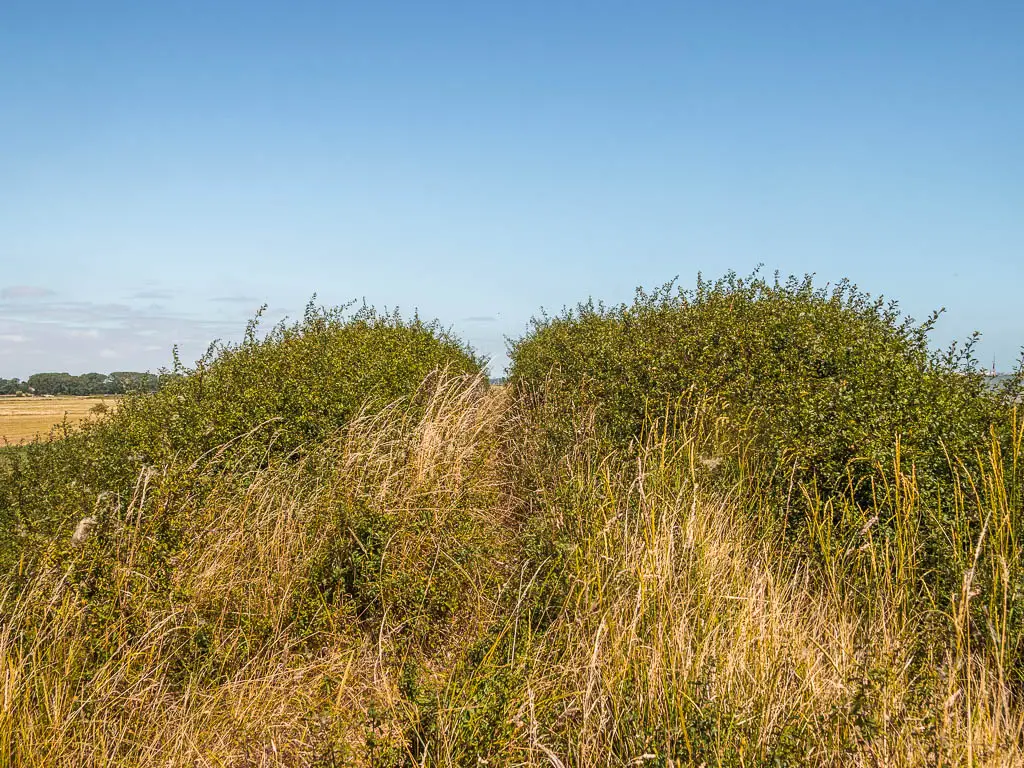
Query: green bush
[822,381]
[840,416]
[240,404]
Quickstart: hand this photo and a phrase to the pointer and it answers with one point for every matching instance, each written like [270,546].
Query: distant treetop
[116,383]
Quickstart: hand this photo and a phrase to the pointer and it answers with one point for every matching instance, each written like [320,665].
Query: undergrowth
[439,572]
[240,405]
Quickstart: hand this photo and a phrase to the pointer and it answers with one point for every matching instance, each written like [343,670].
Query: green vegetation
[831,395]
[11,387]
[824,380]
[753,524]
[86,385]
[239,405]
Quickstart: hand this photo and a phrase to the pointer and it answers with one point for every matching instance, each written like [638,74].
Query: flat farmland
[22,418]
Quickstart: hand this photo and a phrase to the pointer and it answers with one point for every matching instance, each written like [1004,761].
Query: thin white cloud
[24,292]
[236,299]
[154,294]
[76,336]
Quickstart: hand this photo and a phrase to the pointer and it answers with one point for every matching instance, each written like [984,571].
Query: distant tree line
[116,383]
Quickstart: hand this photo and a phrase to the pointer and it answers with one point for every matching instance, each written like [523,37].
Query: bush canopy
[265,395]
[824,380]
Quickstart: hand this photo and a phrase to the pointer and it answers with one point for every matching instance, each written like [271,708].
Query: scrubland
[753,524]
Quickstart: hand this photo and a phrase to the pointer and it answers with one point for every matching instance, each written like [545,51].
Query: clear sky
[167,167]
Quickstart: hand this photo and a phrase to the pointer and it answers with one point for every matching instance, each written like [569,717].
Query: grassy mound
[259,621]
[832,400]
[240,405]
[401,595]
[339,546]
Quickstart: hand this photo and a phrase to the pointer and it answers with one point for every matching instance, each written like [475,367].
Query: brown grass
[298,699]
[23,418]
[682,632]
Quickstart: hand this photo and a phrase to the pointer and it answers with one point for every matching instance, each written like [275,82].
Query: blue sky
[165,168]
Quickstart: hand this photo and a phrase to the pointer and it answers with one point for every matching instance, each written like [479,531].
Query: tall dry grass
[595,608]
[693,631]
[233,654]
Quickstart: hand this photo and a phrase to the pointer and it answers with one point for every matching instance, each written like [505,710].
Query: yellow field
[22,418]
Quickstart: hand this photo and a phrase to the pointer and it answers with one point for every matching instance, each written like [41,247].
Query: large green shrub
[840,420]
[241,402]
[823,381]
